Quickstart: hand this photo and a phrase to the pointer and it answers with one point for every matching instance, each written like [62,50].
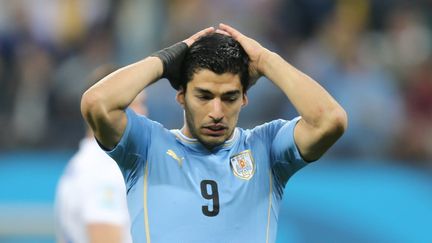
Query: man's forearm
[119,89]
[104,103]
[311,100]
[323,119]
[105,233]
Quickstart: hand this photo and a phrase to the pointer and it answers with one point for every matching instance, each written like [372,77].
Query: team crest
[243,165]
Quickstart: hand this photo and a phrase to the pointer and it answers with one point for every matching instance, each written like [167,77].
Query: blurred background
[373,56]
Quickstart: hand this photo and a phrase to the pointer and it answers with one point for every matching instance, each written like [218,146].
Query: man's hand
[189,41]
[172,57]
[257,53]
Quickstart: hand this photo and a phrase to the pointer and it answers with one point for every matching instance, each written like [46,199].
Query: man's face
[212,105]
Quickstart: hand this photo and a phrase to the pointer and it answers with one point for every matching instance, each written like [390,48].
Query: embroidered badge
[243,165]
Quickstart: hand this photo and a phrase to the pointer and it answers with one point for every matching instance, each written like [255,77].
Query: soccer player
[210,181]
[91,202]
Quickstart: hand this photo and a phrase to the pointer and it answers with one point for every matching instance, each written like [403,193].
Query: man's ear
[245,100]
[180,97]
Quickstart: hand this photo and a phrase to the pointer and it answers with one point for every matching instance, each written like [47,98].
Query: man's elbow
[320,138]
[337,122]
[91,105]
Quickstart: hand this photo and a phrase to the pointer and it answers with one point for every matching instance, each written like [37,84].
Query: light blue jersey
[178,191]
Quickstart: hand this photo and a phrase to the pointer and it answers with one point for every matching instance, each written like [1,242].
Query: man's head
[215,78]
[218,53]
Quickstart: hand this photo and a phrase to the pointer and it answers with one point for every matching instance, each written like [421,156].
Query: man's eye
[203,97]
[231,98]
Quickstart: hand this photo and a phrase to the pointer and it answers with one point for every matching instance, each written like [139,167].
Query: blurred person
[30,105]
[97,49]
[416,142]
[407,39]
[251,14]
[134,25]
[91,195]
[210,181]
[62,23]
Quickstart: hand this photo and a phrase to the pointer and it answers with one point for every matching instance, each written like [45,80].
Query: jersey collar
[196,145]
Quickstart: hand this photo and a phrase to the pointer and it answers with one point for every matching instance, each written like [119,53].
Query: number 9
[214,195]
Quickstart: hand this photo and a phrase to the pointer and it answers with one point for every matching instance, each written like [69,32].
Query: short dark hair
[218,53]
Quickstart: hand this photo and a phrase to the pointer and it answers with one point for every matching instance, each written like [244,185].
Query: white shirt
[91,190]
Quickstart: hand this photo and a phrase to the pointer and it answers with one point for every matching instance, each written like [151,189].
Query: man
[210,181]
[91,202]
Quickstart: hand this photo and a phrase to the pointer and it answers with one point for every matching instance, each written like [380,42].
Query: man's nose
[217,110]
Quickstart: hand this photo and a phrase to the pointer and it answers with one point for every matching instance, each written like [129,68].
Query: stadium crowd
[374,56]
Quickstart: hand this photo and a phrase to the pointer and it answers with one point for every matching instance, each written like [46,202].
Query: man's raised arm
[103,105]
[323,119]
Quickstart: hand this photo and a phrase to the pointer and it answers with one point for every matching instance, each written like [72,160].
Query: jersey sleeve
[278,137]
[286,158]
[132,150]
[284,148]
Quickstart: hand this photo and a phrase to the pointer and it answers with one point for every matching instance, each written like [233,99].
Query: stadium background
[374,56]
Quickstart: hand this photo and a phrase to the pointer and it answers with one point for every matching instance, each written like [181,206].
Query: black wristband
[172,59]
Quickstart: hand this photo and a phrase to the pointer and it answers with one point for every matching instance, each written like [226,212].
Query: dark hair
[218,53]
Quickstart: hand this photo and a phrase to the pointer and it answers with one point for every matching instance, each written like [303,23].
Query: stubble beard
[195,131]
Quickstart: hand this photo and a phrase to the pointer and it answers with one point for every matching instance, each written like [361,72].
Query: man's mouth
[215,130]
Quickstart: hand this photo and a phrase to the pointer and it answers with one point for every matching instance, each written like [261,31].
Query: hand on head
[189,41]
[172,56]
[255,51]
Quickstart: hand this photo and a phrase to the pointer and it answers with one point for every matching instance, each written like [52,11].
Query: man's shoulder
[146,122]
[266,125]
[134,117]
[263,132]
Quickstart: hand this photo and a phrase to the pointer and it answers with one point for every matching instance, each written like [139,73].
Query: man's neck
[185,131]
